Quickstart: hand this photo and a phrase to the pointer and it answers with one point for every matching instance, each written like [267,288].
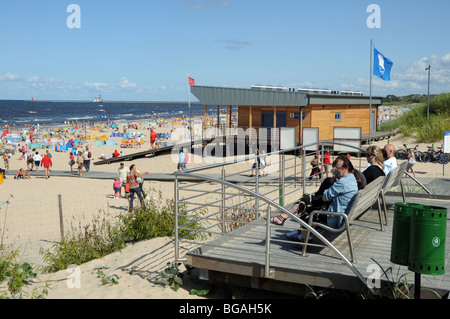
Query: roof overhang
[336,99]
[235,96]
[210,95]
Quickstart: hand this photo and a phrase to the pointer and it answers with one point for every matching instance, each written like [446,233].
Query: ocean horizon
[19,113]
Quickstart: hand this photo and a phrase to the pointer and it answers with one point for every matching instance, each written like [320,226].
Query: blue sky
[140,50]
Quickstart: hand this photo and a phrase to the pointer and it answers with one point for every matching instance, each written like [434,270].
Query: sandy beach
[31,219]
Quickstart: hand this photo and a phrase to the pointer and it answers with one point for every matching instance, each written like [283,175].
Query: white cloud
[408,79]
[9,77]
[96,85]
[416,74]
[124,83]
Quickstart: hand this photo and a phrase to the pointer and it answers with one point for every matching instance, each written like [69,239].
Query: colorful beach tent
[61,147]
[69,144]
[77,142]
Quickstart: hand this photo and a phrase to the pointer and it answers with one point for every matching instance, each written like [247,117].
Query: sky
[144,50]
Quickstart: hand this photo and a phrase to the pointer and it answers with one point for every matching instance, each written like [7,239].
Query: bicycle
[435,156]
[443,158]
[403,153]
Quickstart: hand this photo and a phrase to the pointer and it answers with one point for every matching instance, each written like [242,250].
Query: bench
[392,179]
[363,200]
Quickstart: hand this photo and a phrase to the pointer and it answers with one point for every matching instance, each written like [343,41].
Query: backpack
[186,157]
[89,154]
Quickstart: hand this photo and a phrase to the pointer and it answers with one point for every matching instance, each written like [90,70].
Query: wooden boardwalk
[240,259]
[149,152]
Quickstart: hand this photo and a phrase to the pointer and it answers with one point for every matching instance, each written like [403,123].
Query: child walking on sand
[116,187]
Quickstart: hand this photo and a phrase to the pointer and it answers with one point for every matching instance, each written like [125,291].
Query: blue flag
[381,65]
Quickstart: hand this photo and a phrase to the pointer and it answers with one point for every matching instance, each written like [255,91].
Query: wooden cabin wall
[321,116]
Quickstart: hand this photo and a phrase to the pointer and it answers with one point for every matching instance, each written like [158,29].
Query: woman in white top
[37,160]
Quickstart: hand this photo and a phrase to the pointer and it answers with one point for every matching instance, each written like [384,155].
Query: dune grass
[414,123]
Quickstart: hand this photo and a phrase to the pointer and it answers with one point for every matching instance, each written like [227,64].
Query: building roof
[210,95]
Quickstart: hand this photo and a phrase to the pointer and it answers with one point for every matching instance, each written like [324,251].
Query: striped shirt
[132,180]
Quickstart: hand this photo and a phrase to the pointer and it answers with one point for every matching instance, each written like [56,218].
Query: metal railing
[234,199]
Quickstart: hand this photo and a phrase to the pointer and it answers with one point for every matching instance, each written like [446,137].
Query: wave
[42,120]
[80,118]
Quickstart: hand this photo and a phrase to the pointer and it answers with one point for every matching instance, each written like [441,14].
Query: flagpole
[370,107]
[189,103]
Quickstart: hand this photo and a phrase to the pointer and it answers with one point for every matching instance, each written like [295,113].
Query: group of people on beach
[34,161]
[132,181]
[83,160]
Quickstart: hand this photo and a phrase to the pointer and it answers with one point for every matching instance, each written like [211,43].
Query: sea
[20,113]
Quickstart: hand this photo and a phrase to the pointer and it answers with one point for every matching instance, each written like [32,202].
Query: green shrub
[440,104]
[414,123]
[103,238]
[17,276]
[84,244]
[153,221]
[434,131]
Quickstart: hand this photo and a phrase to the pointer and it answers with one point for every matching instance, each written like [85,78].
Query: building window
[337,116]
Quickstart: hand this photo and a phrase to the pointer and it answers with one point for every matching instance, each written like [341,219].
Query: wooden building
[274,107]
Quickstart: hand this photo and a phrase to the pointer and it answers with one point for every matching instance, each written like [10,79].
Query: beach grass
[103,236]
[15,277]
[425,125]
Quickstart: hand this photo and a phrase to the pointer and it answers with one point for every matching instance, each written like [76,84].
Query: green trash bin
[401,232]
[427,240]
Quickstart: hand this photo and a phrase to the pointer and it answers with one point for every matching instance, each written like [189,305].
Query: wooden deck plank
[321,266]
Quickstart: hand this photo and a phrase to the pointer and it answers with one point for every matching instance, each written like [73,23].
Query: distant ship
[97,99]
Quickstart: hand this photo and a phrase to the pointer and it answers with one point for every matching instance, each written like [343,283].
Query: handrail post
[223,201]
[304,170]
[267,263]
[283,177]
[257,189]
[177,243]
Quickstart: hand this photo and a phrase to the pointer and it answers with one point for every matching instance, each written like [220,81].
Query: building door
[267,118]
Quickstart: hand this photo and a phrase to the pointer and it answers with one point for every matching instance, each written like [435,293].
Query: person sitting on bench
[335,194]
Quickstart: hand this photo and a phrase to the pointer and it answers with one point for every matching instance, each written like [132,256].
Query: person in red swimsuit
[152,137]
[47,163]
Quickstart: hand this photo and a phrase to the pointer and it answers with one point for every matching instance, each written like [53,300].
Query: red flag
[191,81]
